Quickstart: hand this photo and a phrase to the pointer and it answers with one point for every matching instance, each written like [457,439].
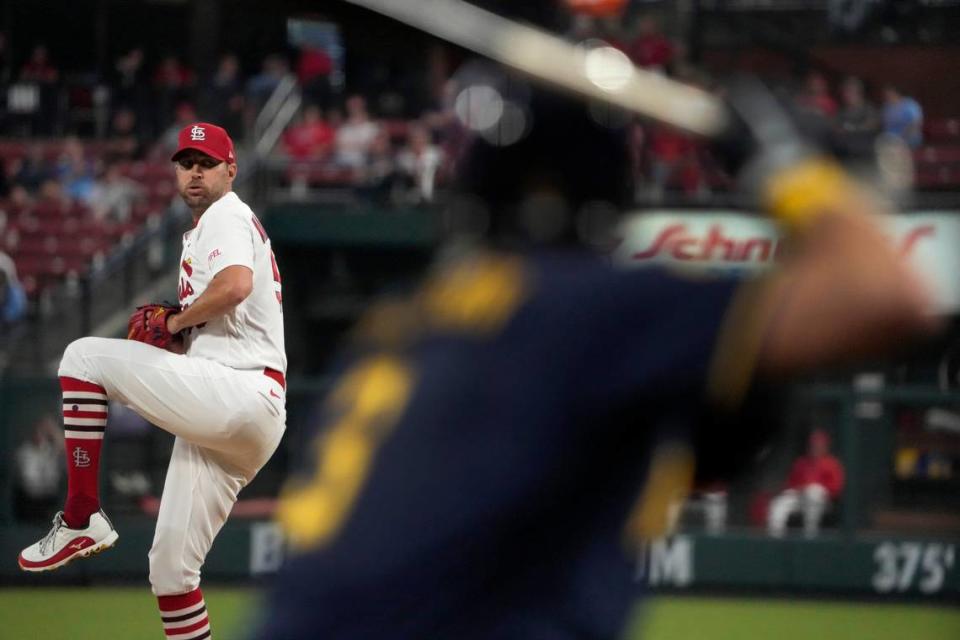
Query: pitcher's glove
[149,324]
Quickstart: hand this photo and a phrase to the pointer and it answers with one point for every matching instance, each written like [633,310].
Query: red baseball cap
[207,138]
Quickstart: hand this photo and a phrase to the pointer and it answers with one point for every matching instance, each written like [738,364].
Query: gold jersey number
[367,401]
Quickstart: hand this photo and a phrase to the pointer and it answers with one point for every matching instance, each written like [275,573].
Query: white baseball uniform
[223,399]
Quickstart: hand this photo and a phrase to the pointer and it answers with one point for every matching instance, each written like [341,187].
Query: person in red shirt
[814,484]
[39,68]
[314,68]
[311,139]
[816,96]
[651,49]
[673,156]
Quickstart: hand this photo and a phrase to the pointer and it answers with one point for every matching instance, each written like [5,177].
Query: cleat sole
[92,550]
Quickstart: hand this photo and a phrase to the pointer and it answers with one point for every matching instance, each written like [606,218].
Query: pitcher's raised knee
[73,364]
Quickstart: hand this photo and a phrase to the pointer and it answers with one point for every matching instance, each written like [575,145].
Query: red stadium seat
[938,177]
[159,170]
[13,149]
[938,154]
[49,240]
[39,245]
[942,129]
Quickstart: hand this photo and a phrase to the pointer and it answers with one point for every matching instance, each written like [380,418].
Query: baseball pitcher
[210,371]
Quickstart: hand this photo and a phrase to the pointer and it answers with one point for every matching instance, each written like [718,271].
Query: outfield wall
[865,566]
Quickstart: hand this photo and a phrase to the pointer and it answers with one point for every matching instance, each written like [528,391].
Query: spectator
[583,27]
[173,83]
[858,121]
[132,91]
[172,75]
[651,48]
[129,77]
[114,195]
[13,300]
[39,70]
[124,144]
[19,199]
[273,70]
[38,470]
[33,170]
[902,116]
[356,134]
[38,67]
[52,197]
[418,163]
[166,145]
[377,178]
[76,172]
[222,100]
[674,158]
[314,68]
[816,97]
[310,139]
[814,485]
[446,127]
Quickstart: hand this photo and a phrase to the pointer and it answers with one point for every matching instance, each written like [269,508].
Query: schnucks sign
[729,240]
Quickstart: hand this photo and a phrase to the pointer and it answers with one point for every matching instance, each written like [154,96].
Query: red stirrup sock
[184,616]
[84,421]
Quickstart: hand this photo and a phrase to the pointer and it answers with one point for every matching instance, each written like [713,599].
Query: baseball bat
[601,73]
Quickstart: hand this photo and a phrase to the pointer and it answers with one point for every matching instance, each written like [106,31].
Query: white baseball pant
[812,501]
[227,424]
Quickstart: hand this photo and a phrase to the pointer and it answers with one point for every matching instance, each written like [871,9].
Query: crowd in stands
[100,190]
[402,161]
[143,97]
[394,162]
[65,204]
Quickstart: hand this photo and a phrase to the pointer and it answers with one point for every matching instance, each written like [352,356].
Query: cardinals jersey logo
[81,459]
[187,268]
[198,133]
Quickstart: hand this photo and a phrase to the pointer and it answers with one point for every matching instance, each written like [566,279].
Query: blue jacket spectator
[13,300]
[902,116]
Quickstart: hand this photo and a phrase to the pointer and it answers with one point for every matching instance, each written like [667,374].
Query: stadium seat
[50,239]
[932,154]
[942,129]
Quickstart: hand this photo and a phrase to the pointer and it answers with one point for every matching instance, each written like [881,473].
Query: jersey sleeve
[227,240]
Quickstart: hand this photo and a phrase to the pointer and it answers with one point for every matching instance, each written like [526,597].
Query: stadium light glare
[608,68]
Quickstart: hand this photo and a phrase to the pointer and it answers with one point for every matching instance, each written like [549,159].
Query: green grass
[97,613]
[130,613]
[739,619]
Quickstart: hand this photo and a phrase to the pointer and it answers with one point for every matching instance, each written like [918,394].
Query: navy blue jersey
[478,461]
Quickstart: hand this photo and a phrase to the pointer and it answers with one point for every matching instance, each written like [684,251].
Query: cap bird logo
[198,133]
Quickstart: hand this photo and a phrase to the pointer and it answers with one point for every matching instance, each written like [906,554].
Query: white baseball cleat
[63,544]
